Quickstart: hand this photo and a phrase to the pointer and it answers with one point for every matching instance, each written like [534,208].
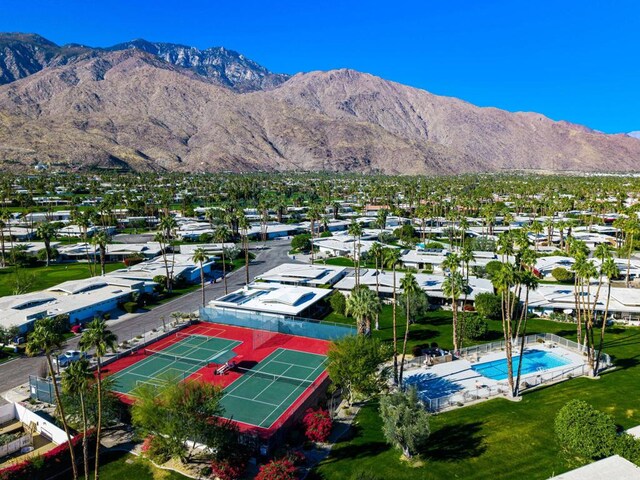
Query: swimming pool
[534,361]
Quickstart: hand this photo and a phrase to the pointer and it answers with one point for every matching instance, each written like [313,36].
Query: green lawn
[45,277]
[497,439]
[121,465]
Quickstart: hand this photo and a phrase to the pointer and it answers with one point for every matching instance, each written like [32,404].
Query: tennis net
[274,378]
[175,358]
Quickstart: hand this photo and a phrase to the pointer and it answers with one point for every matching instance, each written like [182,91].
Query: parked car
[70,356]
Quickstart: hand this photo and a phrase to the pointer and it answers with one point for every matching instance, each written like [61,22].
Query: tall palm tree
[200,256]
[355,230]
[503,281]
[631,228]
[221,235]
[530,282]
[99,338]
[453,286]
[45,339]
[75,382]
[243,225]
[5,217]
[46,231]
[164,246]
[100,240]
[391,258]
[376,251]
[314,214]
[409,287]
[611,271]
[363,304]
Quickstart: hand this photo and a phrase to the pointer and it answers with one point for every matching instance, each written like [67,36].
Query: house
[303,275]
[180,264]
[81,300]
[274,299]
[431,284]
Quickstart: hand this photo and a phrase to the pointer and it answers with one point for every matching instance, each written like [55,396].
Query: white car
[70,356]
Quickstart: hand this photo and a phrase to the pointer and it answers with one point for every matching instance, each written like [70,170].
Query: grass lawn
[497,439]
[45,277]
[121,465]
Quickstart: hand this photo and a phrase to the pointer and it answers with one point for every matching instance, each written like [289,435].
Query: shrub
[76,329]
[562,275]
[301,243]
[628,447]
[489,305]
[228,468]
[130,261]
[130,307]
[326,234]
[474,327]
[584,431]
[282,469]
[492,268]
[317,424]
[338,302]
[154,449]
[434,246]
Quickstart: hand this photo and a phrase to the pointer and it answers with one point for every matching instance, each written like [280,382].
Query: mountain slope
[229,68]
[22,55]
[131,109]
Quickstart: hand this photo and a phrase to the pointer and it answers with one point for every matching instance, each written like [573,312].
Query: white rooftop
[303,273]
[272,298]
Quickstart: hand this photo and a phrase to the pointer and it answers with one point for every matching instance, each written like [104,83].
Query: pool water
[534,361]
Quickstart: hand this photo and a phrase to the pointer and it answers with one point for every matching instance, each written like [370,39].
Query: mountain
[227,67]
[22,55]
[131,109]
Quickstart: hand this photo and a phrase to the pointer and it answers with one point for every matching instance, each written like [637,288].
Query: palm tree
[363,304]
[530,282]
[5,217]
[453,286]
[164,245]
[503,281]
[355,230]
[314,214]
[409,287]
[97,337]
[376,252]
[46,231]
[221,235]
[200,256]
[611,271]
[75,381]
[45,339]
[100,240]
[391,258]
[243,224]
[631,227]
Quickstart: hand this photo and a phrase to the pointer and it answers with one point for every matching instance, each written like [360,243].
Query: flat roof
[272,298]
[312,275]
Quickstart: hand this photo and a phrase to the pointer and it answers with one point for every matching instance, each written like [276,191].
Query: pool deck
[457,377]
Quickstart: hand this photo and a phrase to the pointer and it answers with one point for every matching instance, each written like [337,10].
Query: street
[16,372]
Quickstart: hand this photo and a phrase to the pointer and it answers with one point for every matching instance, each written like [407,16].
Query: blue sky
[570,60]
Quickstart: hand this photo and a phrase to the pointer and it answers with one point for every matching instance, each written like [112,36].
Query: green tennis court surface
[178,361]
[264,392]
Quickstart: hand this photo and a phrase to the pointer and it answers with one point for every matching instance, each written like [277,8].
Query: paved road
[17,372]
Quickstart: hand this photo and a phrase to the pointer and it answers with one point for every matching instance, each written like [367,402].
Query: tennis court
[263,393]
[179,360]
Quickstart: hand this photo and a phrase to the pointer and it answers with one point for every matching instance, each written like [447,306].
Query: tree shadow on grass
[456,442]
[423,334]
[625,363]
[356,451]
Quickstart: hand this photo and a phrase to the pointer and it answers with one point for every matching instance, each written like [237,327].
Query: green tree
[100,240]
[221,235]
[453,287]
[405,421]
[75,382]
[179,414]
[45,339]
[363,304]
[410,289]
[391,257]
[489,305]
[200,256]
[100,339]
[301,242]
[354,365]
[45,232]
[338,302]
